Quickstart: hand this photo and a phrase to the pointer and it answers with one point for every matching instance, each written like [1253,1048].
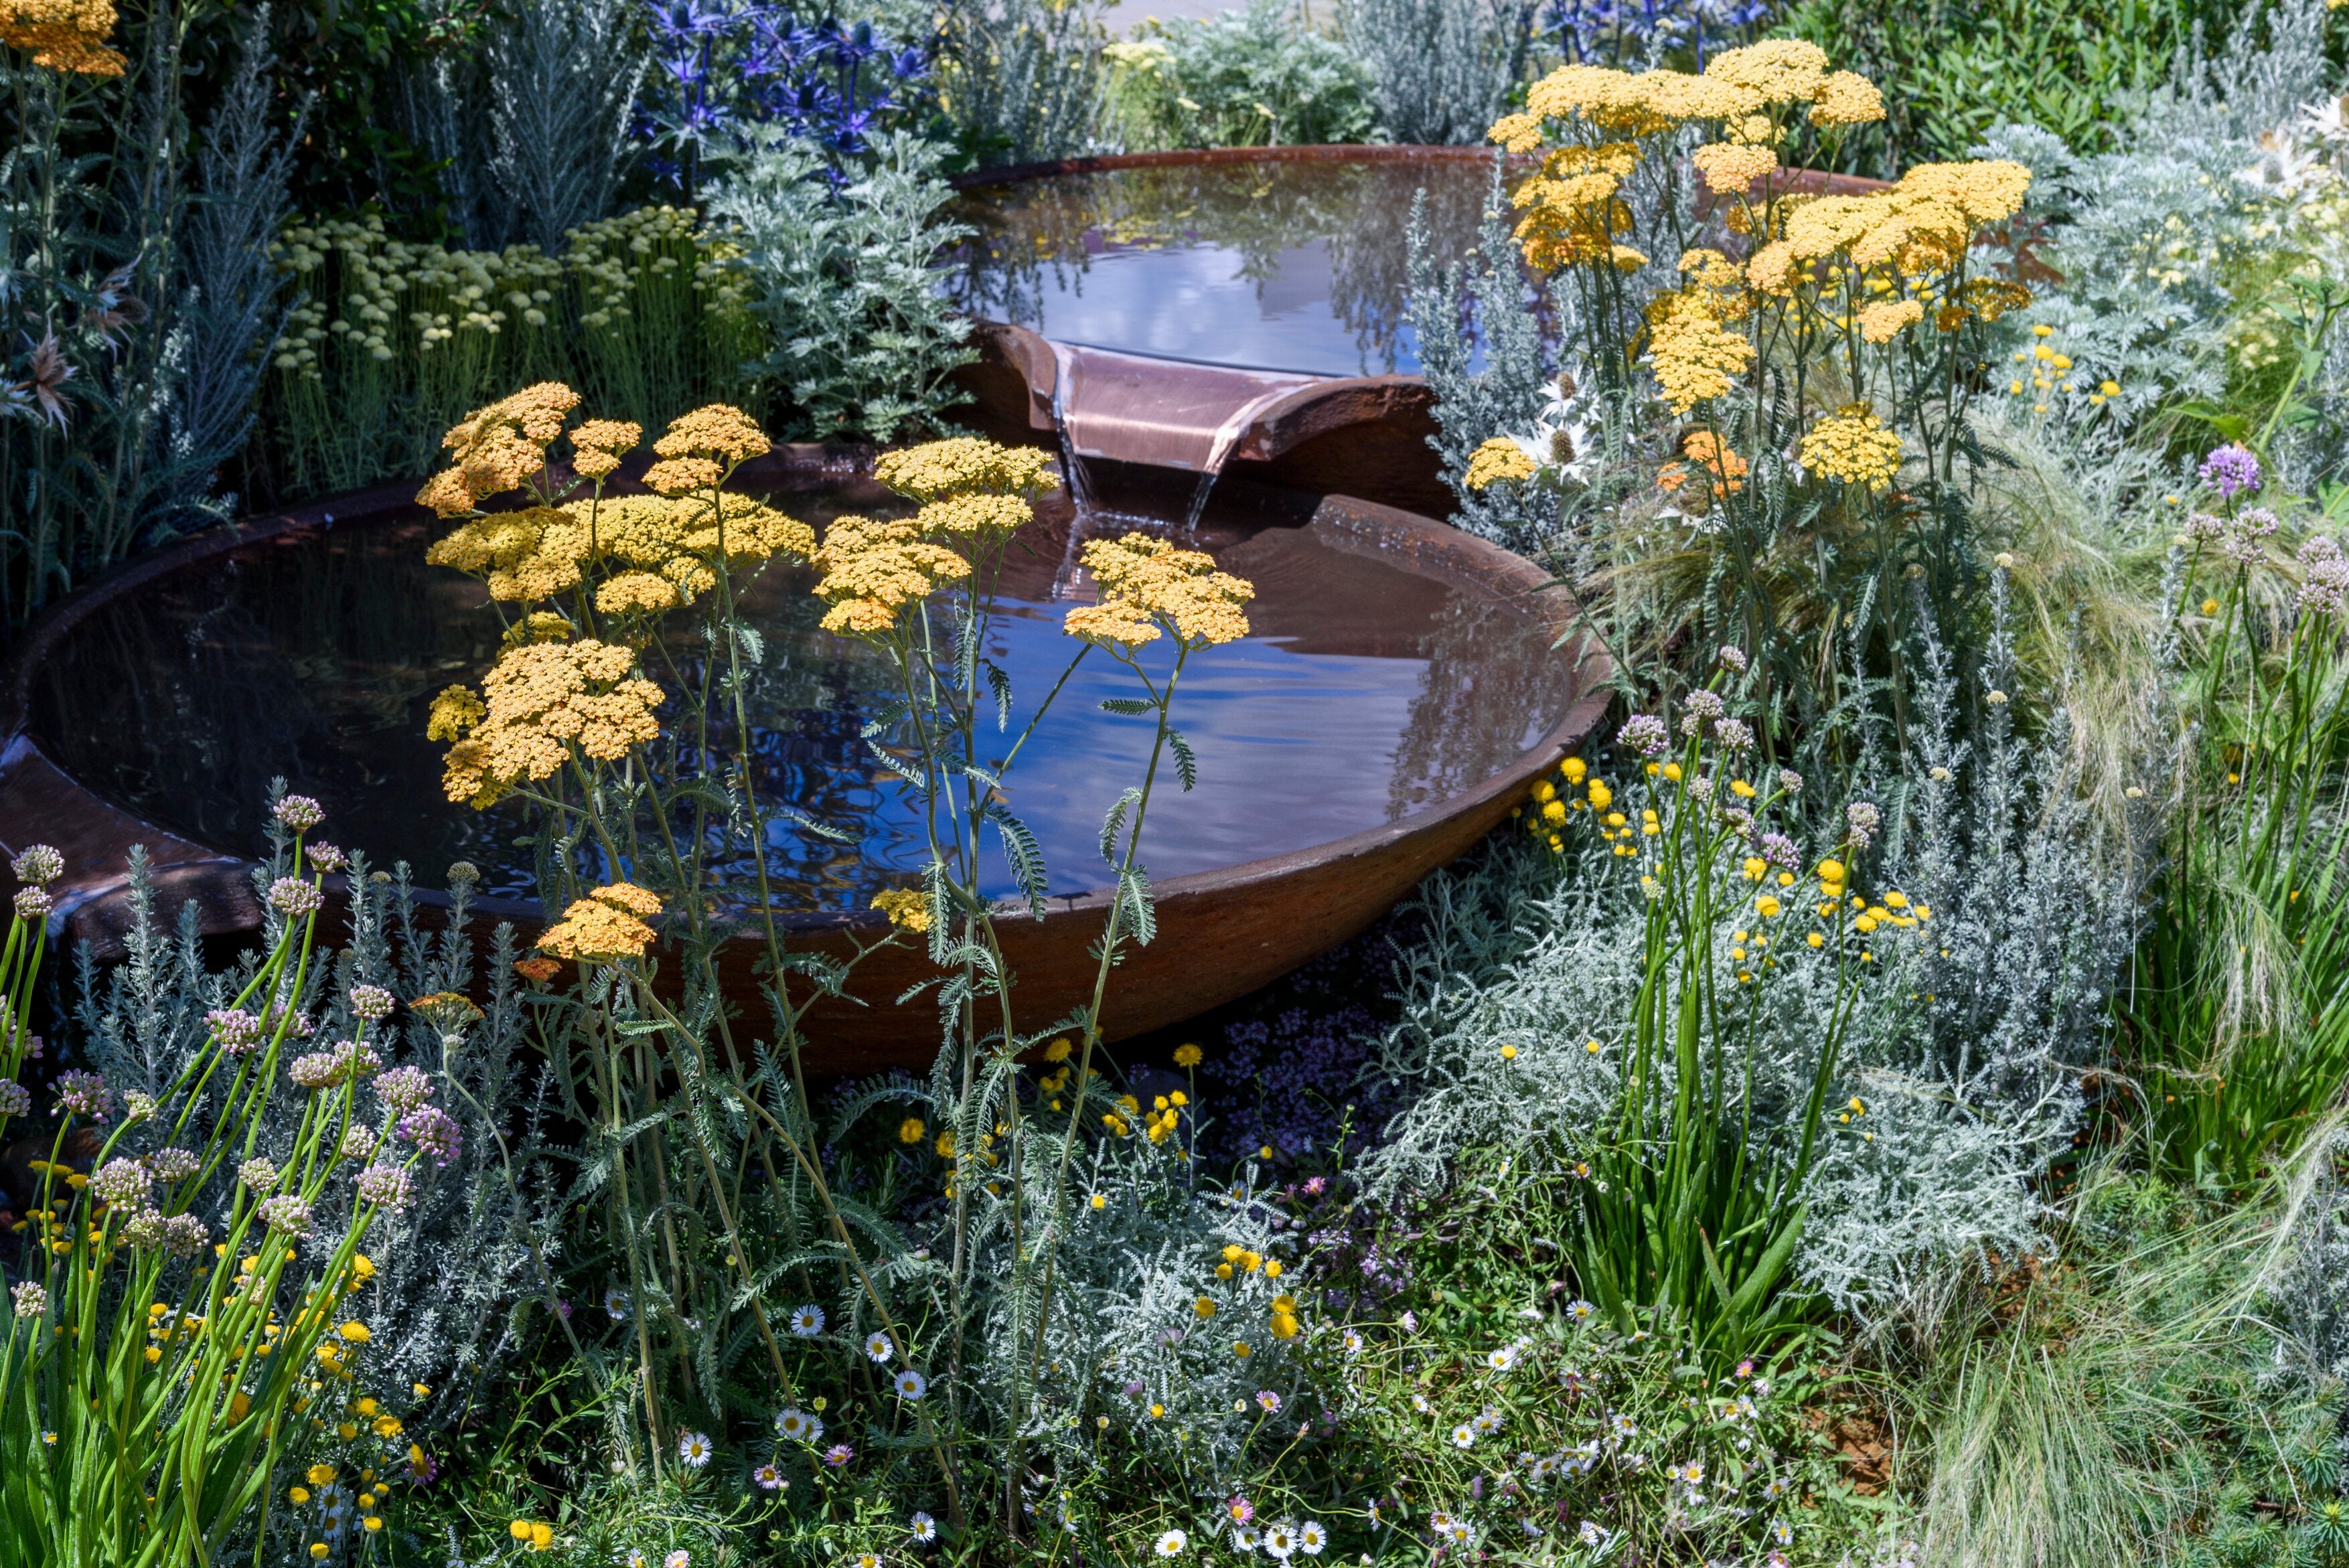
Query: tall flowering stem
[2238,1002]
[1692,1203]
[1818,355]
[149,1372]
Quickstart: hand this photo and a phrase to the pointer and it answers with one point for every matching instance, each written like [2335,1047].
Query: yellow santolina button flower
[911,1130]
[1187,1055]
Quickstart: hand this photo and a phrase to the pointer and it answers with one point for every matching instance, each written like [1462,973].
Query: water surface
[1272,265]
[1366,693]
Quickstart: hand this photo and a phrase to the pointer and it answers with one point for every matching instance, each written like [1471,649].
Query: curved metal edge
[39,799]
[1304,152]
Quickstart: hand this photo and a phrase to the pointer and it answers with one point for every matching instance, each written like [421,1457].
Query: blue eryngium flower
[725,64]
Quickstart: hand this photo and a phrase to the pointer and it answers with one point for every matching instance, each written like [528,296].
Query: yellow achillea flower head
[908,909]
[1776,70]
[1146,585]
[1693,356]
[1730,168]
[454,712]
[638,594]
[597,445]
[604,926]
[874,570]
[975,516]
[682,476]
[63,35]
[499,447]
[1883,320]
[964,465]
[1846,98]
[1497,459]
[539,627]
[1854,446]
[716,431]
[542,698]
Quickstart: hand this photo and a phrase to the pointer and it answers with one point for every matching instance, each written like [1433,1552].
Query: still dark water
[1366,693]
[1271,266]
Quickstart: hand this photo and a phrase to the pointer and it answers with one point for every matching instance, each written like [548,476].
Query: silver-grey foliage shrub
[531,131]
[862,340]
[1023,80]
[479,1241]
[1968,1056]
[1248,77]
[1440,70]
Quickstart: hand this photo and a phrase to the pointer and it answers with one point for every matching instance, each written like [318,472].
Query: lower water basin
[1268,265]
[1366,693]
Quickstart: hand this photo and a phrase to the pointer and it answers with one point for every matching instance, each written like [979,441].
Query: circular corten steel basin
[1222,933]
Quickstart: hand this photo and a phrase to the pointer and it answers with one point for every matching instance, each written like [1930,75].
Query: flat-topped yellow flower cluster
[1148,584]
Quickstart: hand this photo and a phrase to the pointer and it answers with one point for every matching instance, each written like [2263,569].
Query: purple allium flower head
[1732,658]
[324,858]
[84,1093]
[1861,821]
[1734,734]
[1645,734]
[386,1187]
[432,1130]
[1780,852]
[173,1164]
[294,898]
[235,1030]
[2325,586]
[2232,470]
[38,864]
[31,1298]
[33,904]
[289,1213]
[300,812]
[1699,708]
[372,1004]
[402,1090]
[185,1235]
[123,1183]
[16,1099]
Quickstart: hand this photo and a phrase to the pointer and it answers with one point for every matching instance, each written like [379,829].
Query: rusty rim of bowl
[222,881]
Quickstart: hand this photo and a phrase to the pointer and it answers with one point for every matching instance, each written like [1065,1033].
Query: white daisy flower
[1353,1340]
[911,1385]
[807,1321]
[1281,1540]
[1311,1538]
[1488,1420]
[1504,1359]
[1245,1538]
[680,1558]
[1172,1543]
[1592,1533]
[923,1528]
[1781,1532]
[1625,1426]
[693,1449]
[1580,1311]
[1464,1436]
[1544,1468]
[1419,1402]
[616,1304]
[877,1347]
[1693,1473]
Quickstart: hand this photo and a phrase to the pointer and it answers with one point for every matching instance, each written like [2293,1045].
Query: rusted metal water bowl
[1222,933]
